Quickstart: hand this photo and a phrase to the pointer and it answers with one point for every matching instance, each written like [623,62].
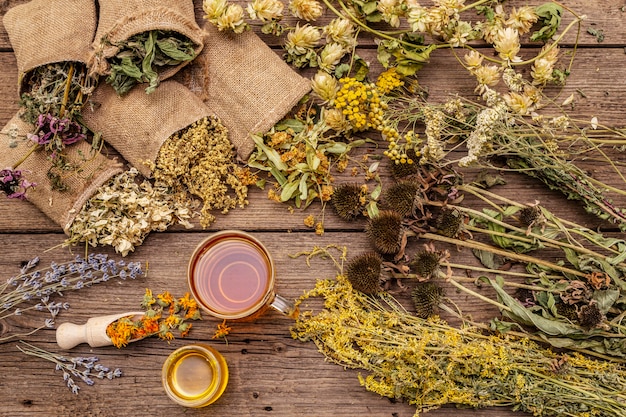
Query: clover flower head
[522,19]
[213,9]
[232,19]
[507,44]
[330,56]
[265,10]
[301,39]
[340,30]
[308,10]
[325,86]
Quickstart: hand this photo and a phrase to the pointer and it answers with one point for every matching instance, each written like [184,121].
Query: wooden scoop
[93,332]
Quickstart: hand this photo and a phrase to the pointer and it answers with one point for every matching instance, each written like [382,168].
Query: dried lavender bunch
[34,289]
[86,369]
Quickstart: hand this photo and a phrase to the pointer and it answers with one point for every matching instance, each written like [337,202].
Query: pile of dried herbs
[141,56]
[430,363]
[124,211]
[200,161]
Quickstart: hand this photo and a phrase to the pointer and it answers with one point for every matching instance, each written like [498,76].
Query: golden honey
[195,375]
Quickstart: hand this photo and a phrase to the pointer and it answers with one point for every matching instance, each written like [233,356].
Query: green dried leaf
[172,48]
[549,19]
[522,315]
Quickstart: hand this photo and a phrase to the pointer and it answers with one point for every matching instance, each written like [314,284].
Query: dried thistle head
[347,200]
[426,297]
[363,272]
[427,263]
[590,315]
[399,170]
[569,311]
[531,215]
[385,231]
[400,197]
[449,222]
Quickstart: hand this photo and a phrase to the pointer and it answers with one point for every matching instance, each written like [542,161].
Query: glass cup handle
[284,306]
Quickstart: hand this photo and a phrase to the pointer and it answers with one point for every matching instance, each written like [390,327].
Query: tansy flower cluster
[361,104]
[154,321]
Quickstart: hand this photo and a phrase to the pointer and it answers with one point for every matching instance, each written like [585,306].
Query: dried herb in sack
[140,57]
[144,41]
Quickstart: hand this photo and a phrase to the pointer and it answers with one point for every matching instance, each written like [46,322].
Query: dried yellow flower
[199,161]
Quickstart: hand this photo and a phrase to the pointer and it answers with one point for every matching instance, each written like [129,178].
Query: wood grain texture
[271,374]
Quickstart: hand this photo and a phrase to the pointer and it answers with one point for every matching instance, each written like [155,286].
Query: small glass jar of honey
[195,375]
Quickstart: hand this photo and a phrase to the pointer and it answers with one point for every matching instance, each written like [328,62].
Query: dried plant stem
[66,93]
[511,255]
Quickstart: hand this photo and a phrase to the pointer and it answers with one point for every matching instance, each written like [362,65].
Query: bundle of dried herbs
[164,313]
[430,363]
[140,58]
[122,212]
[35,288]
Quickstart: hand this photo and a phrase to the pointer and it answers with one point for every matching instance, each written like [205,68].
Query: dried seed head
[425,264]
[569,311]
[528,216]
[363,272]
[405,170]
[400,197]
[449,222]
[590,315]
[426,298]
[347,201]
[385,231]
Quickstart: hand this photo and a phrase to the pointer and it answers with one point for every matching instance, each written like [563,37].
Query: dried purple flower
[55,132]
[13,184]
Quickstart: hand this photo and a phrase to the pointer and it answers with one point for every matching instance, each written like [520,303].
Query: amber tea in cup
[195,375]
[231,275]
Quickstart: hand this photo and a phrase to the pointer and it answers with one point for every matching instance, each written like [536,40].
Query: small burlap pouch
[60,206]
[45,31]
[121,19]
[245,82]
[137,124]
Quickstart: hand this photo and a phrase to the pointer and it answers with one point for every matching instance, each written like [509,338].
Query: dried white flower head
[513,80]
[330,56]
[473,59]
[460,35]
[391,11]
[418,17]
[342,31]
[519,103]
[479,140]
[308,10]
[522,19]
[232,19]
[507,44]
[542,69]
[325,86]
[487,75]
[266,10]
[301,39]
[213,9]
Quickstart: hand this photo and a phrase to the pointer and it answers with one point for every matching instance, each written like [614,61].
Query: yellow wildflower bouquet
[430,363]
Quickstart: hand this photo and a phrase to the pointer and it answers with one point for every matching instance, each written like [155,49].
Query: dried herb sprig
[154,322]
[141,56]
[85,369]
[34,289]
[430,364]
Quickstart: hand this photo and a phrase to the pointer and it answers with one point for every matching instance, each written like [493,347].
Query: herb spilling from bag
[51,102]
[141,56]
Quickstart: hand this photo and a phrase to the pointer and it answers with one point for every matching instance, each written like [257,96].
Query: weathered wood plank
[271,374]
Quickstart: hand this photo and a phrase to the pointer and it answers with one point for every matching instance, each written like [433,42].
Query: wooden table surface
[270,373]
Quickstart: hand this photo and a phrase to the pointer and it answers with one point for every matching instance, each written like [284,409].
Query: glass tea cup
[231,275]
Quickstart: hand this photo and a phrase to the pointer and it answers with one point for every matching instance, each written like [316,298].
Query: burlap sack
[120,19]
[245,82]
[137,124]
[60,206]
[45,31]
